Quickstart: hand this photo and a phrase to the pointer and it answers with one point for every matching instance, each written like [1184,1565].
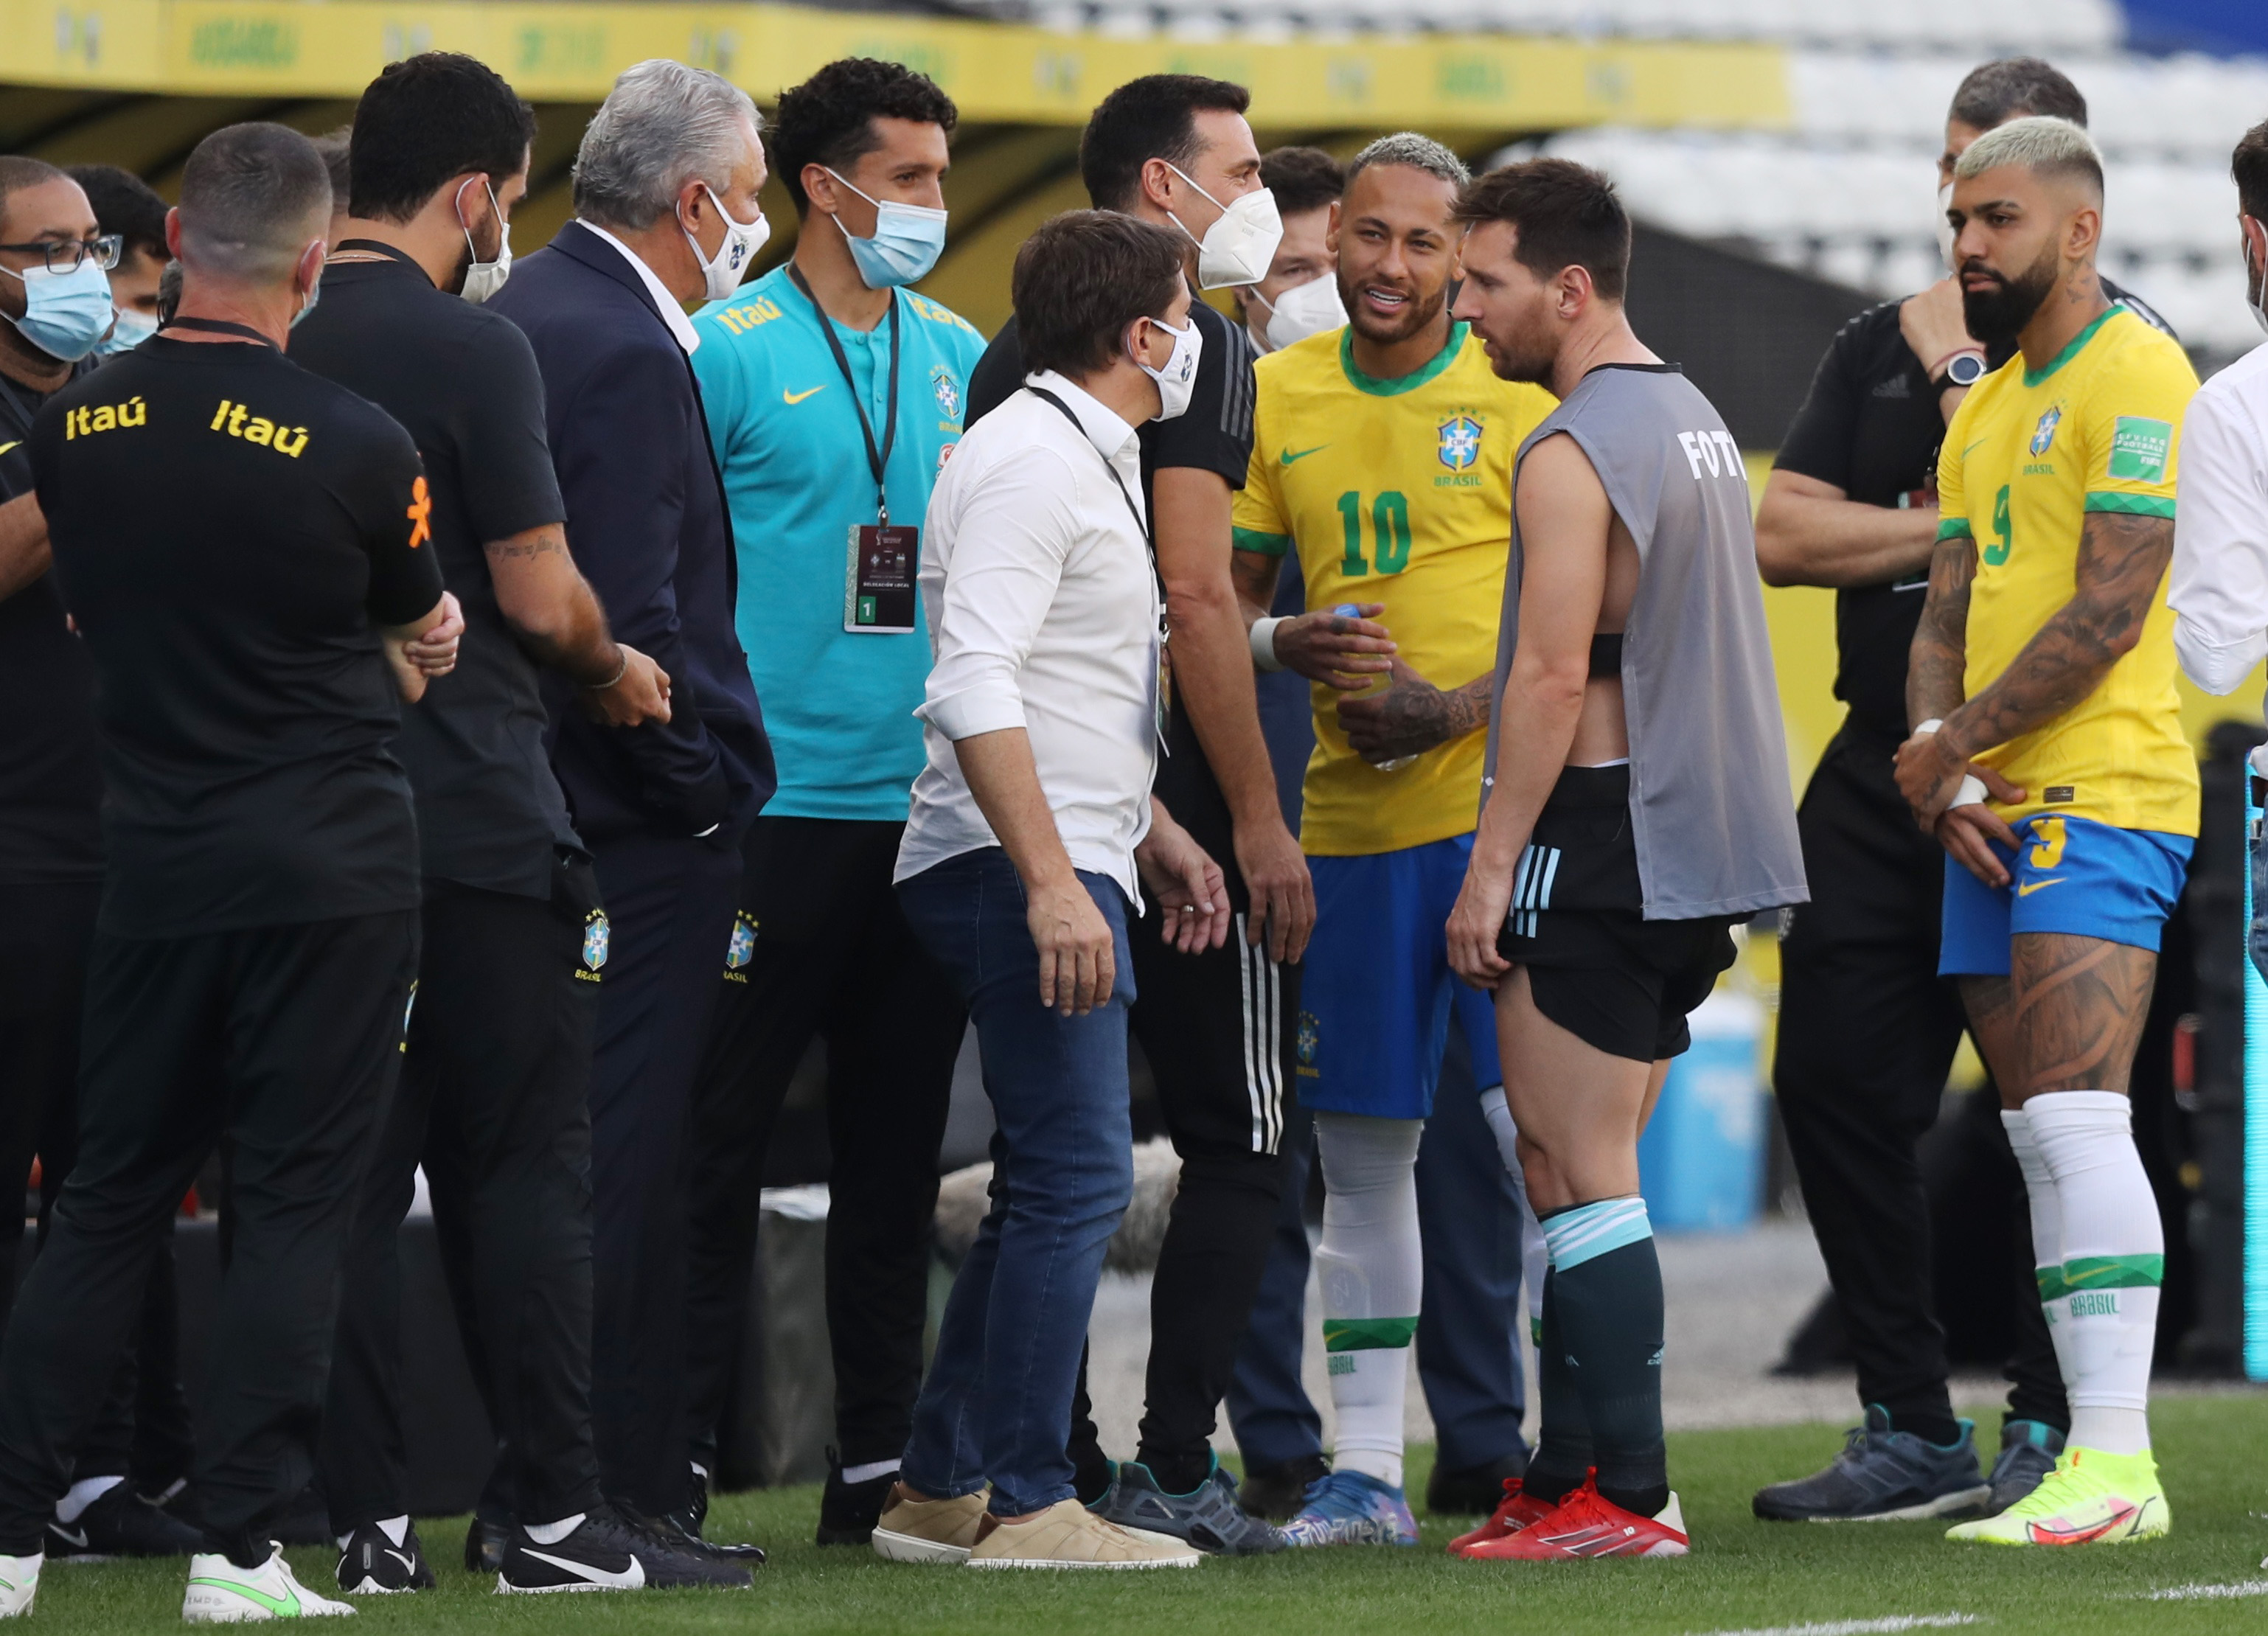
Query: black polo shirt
[1871,426]
[50,769]
[230,533]
[462,381]
[1213,434]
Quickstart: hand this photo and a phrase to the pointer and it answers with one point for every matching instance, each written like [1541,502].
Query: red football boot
[1587,1524]
[1515,1512]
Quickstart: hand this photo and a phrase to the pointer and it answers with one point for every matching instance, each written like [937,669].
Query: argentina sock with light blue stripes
[1606,1299]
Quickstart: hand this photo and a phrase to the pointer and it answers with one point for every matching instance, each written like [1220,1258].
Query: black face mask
[1997,316]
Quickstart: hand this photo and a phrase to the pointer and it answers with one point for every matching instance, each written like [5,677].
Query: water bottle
[1348,610]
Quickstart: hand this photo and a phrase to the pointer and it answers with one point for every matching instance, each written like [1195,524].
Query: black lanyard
[219,327]
[878,460]
[1064,409]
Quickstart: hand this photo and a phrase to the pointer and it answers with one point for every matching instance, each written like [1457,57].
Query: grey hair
[663,124]
[2040,143]
[1419,152]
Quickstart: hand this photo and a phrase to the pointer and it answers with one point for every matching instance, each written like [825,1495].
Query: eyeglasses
[63,256]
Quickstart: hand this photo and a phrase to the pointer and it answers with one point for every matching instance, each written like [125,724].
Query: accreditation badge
[877,580]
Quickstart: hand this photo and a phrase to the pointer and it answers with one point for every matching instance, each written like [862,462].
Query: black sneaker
[669,1533]
[603,1554]
[486,1541]
[1471,1491]
[1278,1492]
[1208,1516]
[372,1565]
[121,1524]
[849,1511]
[1880,1475]
[682,1529]
[2029,1451]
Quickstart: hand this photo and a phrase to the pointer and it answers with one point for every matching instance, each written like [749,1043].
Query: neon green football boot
[2090,1499]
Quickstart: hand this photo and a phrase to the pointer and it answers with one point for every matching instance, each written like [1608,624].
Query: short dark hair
[18,173]
[1081,278]
[124,204]
[2249,165]
[425,119]
[1301,179]
[1996,93]
[1153,117]
[829,118]
[248,193]
[1566,215]
[336,146]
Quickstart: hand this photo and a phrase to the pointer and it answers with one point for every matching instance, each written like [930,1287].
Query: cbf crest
[1461,442]
[740,947]
[1307,1042]
[947,391]
[2043,434]
[596,936]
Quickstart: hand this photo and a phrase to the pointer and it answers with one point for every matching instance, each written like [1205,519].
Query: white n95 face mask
[722,275]
[1241,245]
[483,279]
[1944,228]
[1179,377]
[1304,310]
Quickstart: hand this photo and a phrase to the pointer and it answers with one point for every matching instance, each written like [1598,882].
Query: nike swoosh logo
[283,1607]
[1973,447]
[2030,887]
[403,1557]
[1291,455]
[630,1579]
[5,447]
[62,1533]
[791,397]
[2047,1534]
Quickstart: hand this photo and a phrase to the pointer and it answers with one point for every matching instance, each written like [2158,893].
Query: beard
[1996,315]
[1416,312]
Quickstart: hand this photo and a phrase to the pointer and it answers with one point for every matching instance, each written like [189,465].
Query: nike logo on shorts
[2030,887]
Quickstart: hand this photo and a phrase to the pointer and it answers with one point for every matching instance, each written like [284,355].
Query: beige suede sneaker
[928,1530]
[1067,1535]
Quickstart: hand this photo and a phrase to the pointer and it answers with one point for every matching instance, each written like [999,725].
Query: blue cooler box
[1701,1161]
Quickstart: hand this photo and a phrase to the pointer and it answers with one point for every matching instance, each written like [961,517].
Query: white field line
[2207,1593]
[1860,1627]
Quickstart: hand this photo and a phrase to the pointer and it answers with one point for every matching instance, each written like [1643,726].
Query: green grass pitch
[1744,1575]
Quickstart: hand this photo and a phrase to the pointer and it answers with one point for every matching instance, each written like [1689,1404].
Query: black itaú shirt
[463,383]
[230,532]
[1871,426]
[50,768]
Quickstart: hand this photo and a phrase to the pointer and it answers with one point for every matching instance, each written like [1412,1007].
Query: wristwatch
[1965,369]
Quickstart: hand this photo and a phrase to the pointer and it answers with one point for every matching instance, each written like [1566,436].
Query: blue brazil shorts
[1376,991]
[2071,875]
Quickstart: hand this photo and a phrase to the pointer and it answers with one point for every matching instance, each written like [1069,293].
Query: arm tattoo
[1933,674]
[1414,716]
[534,542]
[2122,561]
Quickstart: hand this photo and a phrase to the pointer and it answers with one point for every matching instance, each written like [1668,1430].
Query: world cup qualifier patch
[2139,448]
[596,935]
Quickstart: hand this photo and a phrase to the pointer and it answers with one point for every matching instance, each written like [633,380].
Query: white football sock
[868,1472]
[1535,1253]
[2047,1234]
[74,1503]
[552,1533]
[1372,1277]
[2114,1256]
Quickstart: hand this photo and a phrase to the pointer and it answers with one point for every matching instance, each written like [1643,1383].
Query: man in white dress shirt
[2219,586]
[1019,870]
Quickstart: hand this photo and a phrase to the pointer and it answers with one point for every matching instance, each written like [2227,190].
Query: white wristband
[1971,791]
[1931,725]
[1263,643]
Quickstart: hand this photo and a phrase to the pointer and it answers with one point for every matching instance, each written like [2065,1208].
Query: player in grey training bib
[1636,806]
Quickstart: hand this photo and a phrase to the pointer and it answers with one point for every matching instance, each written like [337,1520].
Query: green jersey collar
[2032,377]
[1399,384]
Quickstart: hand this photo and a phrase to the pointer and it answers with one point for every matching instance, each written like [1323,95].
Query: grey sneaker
[1883,1475]
[1207,1517]
[2028,1449]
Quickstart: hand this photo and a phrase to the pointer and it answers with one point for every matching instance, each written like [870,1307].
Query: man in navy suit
[665,213]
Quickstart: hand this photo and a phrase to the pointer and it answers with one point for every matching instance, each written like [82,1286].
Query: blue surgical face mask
[131,330]
[65,314]
[908,239]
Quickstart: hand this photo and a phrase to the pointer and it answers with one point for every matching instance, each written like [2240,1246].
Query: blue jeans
[996,1406]
[1468,1333]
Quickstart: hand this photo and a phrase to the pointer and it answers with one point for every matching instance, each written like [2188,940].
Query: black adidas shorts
[1618,982]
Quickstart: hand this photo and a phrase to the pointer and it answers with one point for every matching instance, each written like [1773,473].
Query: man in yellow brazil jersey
[2049,761]
[1382,454]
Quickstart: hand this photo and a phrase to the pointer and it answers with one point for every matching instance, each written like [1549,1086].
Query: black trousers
[669,918]
[1868,1031]
[821,949]
[495,1101]
[1219,1029]
[144,1429]
[285,1042]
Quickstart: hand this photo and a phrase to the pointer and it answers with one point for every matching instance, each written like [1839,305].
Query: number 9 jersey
[1396,492]
[2030,455]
